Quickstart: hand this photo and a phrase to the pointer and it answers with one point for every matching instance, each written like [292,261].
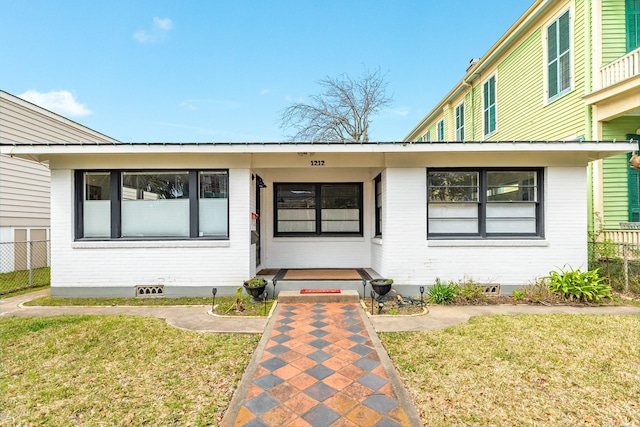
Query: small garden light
[266,295]
[364,288]
[421,294]
[373,295]
[275,282]
[214,291]
[380,306]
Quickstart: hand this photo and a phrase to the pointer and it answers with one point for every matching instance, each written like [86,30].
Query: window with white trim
[440,128]
[460,122]
[152,204]
[318,209]
[427,136]
[489,106]
[559,57]
[482,202]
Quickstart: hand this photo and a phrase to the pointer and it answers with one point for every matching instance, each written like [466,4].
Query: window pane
[213,204]
[552,42]
[340,220]
[97,204]
[214,185]
[511,186]
[340,196]
[511,218]
[296,196]
[155,204]
[450,218]
[296,226]
[453,186]
[564,73]
[296,220]
[563,33]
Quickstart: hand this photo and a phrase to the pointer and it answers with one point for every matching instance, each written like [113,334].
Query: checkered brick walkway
[320,368]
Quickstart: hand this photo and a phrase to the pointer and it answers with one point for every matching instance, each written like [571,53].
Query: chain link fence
[24,265]
[619,264]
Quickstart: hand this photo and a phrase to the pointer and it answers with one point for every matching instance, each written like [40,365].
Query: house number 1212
[317,162]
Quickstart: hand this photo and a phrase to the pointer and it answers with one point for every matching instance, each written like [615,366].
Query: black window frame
[116,204]
[318,211]
[377,181]
[482,205]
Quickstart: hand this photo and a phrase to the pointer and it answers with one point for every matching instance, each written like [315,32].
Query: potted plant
[381,286]
[255,287]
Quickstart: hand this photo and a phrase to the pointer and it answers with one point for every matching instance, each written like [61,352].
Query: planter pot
[381,286]
[255,291]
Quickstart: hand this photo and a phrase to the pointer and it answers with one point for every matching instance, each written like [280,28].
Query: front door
[259,186]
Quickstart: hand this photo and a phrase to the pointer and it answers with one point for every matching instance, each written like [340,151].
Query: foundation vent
[490,289]
[150,291]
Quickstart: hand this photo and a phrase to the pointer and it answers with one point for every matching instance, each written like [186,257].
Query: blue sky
[156,71]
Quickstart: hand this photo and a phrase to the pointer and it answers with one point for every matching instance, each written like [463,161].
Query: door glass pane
[97,205]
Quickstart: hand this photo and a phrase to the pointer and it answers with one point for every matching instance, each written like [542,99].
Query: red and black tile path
[319,367]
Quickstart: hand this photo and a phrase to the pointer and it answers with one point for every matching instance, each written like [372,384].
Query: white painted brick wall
[174,263]
[411,259]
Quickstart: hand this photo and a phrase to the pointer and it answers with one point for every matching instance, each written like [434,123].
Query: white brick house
[191,216]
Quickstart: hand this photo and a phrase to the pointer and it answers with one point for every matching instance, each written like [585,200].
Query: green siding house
[567,70]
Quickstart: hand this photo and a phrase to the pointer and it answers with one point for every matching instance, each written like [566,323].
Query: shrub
[442,293]
[469,292]
[581,285]
[536,292]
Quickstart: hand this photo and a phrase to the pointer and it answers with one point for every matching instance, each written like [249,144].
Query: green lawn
[116,370]
[18,281]
[528,370]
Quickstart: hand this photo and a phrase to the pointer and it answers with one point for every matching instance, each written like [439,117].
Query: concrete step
[296,296]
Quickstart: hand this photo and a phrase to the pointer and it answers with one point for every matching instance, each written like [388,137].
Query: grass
[116,370]
[224,305]
[17,282]
[554,370]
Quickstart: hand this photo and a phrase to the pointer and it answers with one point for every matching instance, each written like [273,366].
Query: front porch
[318,279]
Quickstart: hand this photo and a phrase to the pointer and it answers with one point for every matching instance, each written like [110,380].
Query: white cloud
[162,24]
[159,31]
[61,101]
[265,91]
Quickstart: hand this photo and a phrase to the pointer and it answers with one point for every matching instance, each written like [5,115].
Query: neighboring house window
[152,204]
[460,122]
[440,127]
[633,183]
[427,136]
[377,184]
[318,209]
[559,57]
[632,8]
[484,202]
[489,106]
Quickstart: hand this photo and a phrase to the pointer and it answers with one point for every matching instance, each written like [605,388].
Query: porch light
[214,291]
[421,294]
[373,294]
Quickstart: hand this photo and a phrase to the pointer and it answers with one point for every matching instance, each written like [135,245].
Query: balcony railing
[621,69]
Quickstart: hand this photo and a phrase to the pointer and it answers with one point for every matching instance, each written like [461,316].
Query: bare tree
[341,113]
